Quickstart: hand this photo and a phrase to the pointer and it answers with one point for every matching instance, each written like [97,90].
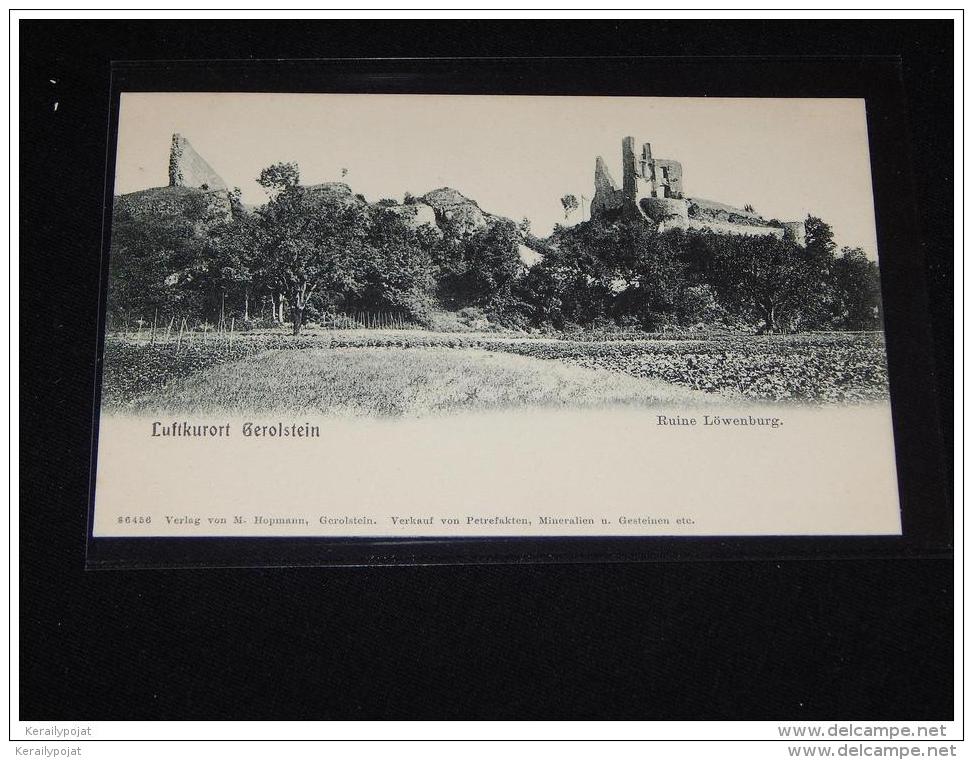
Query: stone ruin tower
[647,182]
[652,190]
[188,169]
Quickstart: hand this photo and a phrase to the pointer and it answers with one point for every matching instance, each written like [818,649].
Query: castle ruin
[652,190]
[188,169]
[193,186]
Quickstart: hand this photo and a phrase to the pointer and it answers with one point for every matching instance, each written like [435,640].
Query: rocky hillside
[188,202]
[455,210]
[338,191]
[443,210]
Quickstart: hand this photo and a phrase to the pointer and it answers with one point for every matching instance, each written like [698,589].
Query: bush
[510,318]
[473,317]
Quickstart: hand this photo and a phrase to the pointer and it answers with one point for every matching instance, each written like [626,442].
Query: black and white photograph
[439,377]
[496,315]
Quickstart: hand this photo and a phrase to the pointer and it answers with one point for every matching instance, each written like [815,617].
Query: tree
[158,261]
[820,252]
[280,177]
[819,239]
[153,265]
[570,203]
[235,266]
[766,279]
[648,262]
[540,291]
[396,268]
[621,270]
[857,288]
[236,202]
[308,242]
[488,267]
[696,304]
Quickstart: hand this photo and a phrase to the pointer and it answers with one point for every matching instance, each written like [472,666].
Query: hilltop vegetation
[311,252]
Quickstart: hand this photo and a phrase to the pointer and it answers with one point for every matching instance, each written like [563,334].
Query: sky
[518,155]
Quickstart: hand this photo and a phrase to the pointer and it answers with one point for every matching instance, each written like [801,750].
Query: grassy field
[399,382]
[395,373]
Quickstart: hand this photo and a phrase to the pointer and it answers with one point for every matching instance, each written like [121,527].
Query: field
[412,373]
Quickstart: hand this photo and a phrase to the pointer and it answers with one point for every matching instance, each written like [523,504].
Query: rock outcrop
[337,191]
[203,206]
[415,215]
[461,215]
[529,256]
[455,211]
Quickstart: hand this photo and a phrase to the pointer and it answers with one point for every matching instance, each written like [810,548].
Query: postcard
[367,315]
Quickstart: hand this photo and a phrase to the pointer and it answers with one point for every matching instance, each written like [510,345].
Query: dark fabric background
[868,639]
